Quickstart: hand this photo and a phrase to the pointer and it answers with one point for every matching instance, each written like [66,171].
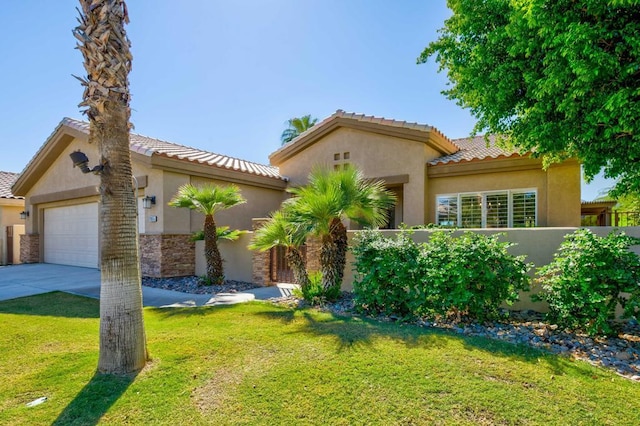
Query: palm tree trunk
[328,256]
[339,236]
[107,60]
[215,272]
[122,336]
[295,260]
[333,255]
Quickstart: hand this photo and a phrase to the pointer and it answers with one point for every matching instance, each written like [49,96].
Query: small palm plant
[209,199]
[281,231]
[329,198]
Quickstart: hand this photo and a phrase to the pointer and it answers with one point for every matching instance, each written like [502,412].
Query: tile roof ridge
[385,120]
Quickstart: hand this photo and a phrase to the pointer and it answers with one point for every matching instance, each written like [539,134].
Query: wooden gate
[279,269]
[9,245]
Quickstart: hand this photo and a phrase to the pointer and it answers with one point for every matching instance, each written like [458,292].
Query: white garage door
[71,235]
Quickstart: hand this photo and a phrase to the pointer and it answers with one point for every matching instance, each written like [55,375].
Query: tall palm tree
[281,231]
[297,125]
[107,61]
[331,197]
[209,199]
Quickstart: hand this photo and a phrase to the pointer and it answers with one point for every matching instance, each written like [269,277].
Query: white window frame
[483,195]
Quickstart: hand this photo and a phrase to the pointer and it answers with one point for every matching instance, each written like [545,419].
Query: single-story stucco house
[465,182]
[11,223]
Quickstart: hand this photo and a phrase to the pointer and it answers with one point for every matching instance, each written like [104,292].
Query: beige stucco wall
[563,194]
[10,215]
[236,258]
[558,188]
[377,156]
[170,219]
[153,187]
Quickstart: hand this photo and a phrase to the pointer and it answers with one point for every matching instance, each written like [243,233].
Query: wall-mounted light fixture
[24,214]
[81,161]
[148,201]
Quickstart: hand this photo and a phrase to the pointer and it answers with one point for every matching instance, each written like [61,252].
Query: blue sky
[226,75]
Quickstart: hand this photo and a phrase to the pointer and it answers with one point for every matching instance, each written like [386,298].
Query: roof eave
[55,144]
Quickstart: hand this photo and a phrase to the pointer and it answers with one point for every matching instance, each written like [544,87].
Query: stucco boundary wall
[237,259]
[537,244]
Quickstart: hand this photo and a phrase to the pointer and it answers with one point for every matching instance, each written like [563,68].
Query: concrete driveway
[37,278]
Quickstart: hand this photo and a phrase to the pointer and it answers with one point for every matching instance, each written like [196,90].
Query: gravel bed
[192,285]
[620,354]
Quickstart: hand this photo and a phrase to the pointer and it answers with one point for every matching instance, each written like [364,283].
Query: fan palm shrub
[281,231]
[209,199]
[329,198]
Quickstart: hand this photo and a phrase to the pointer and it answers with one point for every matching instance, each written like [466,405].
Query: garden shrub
[314,292]
[584,282]
[388,277]
[471,275]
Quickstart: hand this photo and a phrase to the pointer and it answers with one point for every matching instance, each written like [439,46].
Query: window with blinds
[524,209]
[447,214]
[499,209]
[471,206]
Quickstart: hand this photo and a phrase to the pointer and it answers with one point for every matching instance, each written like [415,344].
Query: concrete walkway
[37,278]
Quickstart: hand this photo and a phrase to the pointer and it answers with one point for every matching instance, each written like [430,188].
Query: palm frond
[208,199]
[297,126]
[280,230]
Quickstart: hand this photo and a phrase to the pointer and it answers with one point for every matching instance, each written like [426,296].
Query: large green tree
[559,78]
[329,198]
[107,61]
[209,199]
[297,126]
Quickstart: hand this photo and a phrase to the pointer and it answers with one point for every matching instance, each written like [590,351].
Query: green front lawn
[261,364]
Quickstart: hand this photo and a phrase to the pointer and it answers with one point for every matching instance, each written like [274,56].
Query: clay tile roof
[6,181]
[475,148]
[151,146]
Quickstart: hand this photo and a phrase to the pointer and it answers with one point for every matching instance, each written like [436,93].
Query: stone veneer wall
[168,255]
[150,255]
[261,260]
[30,248]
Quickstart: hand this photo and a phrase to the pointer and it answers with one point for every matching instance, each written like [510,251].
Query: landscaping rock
[191,284]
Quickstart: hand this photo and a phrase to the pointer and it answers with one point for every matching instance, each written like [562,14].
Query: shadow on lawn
[54,304]
[95,399]
[353,331]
